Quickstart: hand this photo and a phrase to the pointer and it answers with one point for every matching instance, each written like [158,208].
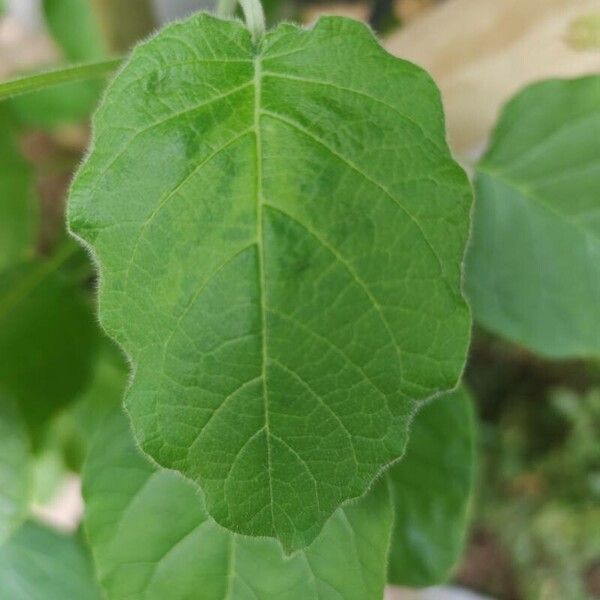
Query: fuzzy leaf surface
[152,538]
[533,270]
[280,233]
[431,490]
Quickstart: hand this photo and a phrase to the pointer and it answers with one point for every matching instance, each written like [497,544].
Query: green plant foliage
[287,282]
[74,25]
[50,108]
[15,469]
[62,76]
[533,272]
[431,490]
[140,550]
[38,563]
[75,28]
[47,336]
[17,214]
[78,425]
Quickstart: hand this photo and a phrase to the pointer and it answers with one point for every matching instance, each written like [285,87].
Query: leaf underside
[38,563]
[15,468]
[280,233]
[431,491]
[141,552]
[533,270]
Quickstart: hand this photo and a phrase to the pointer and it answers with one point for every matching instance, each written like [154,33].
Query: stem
[40,81]
[255,18]
[124,22]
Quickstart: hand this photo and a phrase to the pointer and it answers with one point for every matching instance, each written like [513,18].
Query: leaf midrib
[261,271]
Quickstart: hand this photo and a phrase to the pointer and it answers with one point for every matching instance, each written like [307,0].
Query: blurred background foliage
[535,530]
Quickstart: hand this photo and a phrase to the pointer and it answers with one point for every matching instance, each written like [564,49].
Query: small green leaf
[15,469]
[431,489]
[17,207]
[38,563]
[74,25]
[76,31]
[152,538]
[533,270]
[104,393]
[280,233]
[47,336]
[74,28]
[78,425]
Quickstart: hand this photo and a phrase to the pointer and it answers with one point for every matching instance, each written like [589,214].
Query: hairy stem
[40,81]
[254,17]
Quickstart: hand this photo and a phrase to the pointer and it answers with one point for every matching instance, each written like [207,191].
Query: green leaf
[104,393]
[28,84]
[79,424]
[17,207]
[533,271]
[280,233]
[73,24]
[431,489]
[38,563]
[15,469]
[152,538]
[56,106]
[47,336]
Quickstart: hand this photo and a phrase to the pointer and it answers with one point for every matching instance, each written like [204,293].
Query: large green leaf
[431,489]
[534,266]
[16,196]
[15,469]
[47,336]
[152,538]
[38,563]
[280,233]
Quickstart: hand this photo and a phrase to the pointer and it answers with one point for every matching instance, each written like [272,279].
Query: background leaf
[17,209]
[47,336]
[74,25]
[79,424]
[533,270]
[38,563]
[431,489]
[54,107]
[271,312]
[140,550]
[15,469]
[75,28]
